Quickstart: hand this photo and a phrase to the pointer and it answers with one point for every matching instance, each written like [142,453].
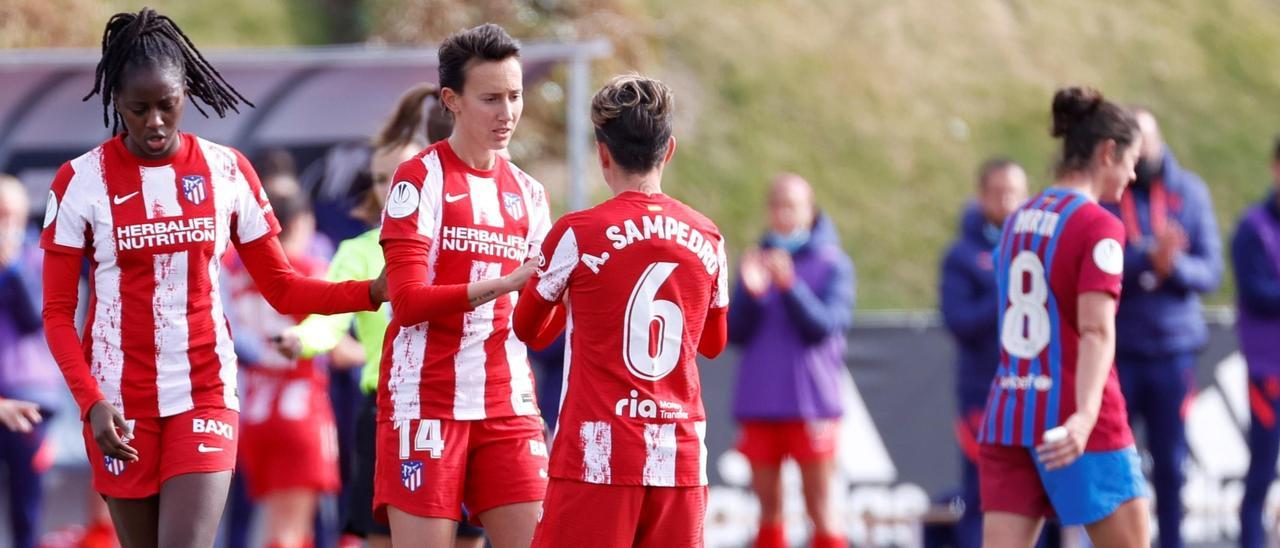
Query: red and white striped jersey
[638,274]
[156,339]
[477,225]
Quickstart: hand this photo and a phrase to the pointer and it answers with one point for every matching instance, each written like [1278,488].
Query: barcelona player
[1055,435]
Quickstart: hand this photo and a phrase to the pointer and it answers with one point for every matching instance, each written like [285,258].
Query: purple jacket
[1255,252]
[27,370]
[793,342]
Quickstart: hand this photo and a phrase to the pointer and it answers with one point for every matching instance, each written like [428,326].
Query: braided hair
[132,39]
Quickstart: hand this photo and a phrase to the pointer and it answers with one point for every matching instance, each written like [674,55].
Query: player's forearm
[715,333]
[61,276]
[1096,356]
[537,321]
[291,293]
[483,291]
[413,300]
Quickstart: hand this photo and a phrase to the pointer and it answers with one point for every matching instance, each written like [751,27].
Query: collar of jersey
[184,148]
[447,150]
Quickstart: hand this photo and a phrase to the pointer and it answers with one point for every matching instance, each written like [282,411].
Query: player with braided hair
[153,210]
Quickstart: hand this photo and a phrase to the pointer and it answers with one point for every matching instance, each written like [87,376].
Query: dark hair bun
[1071,106]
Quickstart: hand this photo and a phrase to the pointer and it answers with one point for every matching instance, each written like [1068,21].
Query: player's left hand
[378,292]
[1061,453]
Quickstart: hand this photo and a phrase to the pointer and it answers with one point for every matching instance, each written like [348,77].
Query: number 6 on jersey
[653,327]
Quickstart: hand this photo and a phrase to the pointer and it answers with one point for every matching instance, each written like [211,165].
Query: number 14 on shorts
[427,438]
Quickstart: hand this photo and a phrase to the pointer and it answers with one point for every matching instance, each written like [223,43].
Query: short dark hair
[487,42]
[632,117]
[1083,118]
[991,166]
[1275,151]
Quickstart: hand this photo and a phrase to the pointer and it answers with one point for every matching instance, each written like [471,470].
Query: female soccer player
[457,417]
[153,209]
[642,277]
[361,257]
[1055,438]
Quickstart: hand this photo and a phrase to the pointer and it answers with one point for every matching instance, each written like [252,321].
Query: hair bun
[1071,105]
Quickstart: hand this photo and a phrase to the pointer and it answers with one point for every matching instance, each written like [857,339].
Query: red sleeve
[292,293]
[252,217]
[536,320]
[61,281]
[1102,259]
[413,300]
[715,334]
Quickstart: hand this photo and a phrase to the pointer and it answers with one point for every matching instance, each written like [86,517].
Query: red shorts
[602,516]
[1008,481]
[766,443]
[201,440]
[431,467]
[294,445]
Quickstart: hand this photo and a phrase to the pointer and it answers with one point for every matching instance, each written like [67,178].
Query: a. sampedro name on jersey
[154,232]
[1058,246]
[478,225]
[638,275]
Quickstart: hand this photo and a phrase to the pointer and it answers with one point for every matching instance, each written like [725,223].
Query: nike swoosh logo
[206,449]
[122,199]
[451,198]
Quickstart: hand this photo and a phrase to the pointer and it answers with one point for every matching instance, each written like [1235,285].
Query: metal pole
[577,129]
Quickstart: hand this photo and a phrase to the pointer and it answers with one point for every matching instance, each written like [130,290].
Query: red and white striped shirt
[641,276]
[156,341]
[467,225]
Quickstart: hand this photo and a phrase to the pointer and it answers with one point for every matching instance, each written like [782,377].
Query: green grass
[867,98]
[886,107]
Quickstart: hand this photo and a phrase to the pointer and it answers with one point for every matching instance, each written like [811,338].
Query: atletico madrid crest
[193,188]
[114,466]
[411,474]
[514,205]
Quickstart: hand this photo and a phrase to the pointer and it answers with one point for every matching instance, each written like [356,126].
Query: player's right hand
[19,416]
[1061,453]
[111,432]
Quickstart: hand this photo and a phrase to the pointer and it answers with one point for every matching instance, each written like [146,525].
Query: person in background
[1172,256]
[792,305]
[969,310]
[400,139]
[289,440]
[29,380]
[1255,256]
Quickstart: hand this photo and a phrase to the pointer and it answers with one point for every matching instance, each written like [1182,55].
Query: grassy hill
[887,107]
